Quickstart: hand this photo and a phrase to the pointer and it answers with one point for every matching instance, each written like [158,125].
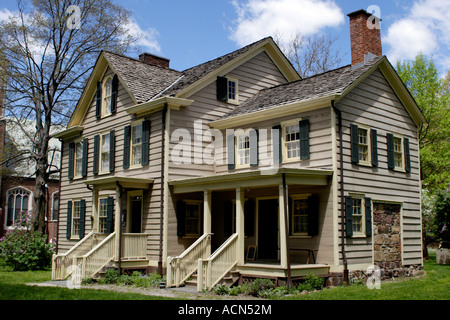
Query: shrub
[442,209]
[221,290]
[258,285]
[24,249]
[112,276]
[315,282]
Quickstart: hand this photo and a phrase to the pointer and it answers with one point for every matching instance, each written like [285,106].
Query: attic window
[228,90]
[107,92]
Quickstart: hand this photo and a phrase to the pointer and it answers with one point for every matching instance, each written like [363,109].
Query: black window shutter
[348,216]
[249,218]
[126,146]
[98,101]
[82,218]
[85,157]
[228,218]
[96,155]
[114,93]
[407,155]
[354,142]
[69,219]
[181,218]
[110,215]
[277,145]
[145,142]
[230,151]
[368,212]
[112,150]
[222,88]
[304,139]
[254,148]
[313,215]
[390,150]
[71,160]
[374,146]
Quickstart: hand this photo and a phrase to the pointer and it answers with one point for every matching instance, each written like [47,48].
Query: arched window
[107,92]
[18,200]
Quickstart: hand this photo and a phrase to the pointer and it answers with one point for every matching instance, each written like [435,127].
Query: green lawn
[434,285]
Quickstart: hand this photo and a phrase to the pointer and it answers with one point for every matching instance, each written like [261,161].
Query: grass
[434,285]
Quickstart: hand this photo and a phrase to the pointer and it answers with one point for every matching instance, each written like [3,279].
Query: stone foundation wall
[387,236]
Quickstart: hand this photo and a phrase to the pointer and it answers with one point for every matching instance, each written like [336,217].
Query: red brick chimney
[154,60]
[365,36]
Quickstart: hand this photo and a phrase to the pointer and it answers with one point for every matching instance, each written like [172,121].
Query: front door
[268,229]
[134,219]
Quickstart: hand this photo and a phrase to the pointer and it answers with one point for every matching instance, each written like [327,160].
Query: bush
[259,285]
[442,209]
[24,249]
[112,276]
[315,282]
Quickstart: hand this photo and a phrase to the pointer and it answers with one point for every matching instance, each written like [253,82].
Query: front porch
[256,224]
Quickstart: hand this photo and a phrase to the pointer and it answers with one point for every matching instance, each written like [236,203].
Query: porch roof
[254,178]
[110,183]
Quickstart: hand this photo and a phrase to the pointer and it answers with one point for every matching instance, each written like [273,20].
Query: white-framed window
[78,159]
[102,214]
[193,217]
[364,154]
[18,201]
[76,216]
[398,152]
[104,151]
[358,215]
[55,206]
[106,96]
[243,149]
[291,140]
[136,144]
[233,90]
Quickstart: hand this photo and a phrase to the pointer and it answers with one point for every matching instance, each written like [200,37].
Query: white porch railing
[62,262]
[211,270]
[134,246]
[180,268]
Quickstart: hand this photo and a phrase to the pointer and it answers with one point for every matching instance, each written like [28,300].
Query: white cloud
[425,29]
[284,18]
[147,39]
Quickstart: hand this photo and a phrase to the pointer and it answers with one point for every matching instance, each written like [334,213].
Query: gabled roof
[317,91]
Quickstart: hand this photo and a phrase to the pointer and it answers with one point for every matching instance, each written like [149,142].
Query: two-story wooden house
[240,165]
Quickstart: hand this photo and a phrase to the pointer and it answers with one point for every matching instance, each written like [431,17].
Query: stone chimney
[365,35]
[154,60]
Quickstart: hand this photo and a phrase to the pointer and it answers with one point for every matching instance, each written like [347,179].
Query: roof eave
[153,106]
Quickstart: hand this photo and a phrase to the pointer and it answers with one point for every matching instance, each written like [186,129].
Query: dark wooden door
[268,229]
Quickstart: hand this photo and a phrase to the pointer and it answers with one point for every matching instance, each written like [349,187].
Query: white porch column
[117,222]
[282,223]
[240,224]
[207,216]
[95,226]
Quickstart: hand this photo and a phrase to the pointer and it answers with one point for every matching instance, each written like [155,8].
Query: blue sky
[195,31]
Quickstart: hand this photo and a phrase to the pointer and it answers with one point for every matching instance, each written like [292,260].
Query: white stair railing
[61,263]
[213,269]
[180,268]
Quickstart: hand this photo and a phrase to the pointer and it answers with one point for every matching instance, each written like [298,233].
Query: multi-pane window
[398,153]
[357,216]
[363,144]
[107,92]
[136,144]
[104,152]
[76,215]
[243,149]
[292,140]
[55,206]
[300,216]
[193,218]
[232,89]
[102,214]
[78,159]
[18,203]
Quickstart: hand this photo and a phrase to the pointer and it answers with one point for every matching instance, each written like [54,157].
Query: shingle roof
[142,79]
[321,85]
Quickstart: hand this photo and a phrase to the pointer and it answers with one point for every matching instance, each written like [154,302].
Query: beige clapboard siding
[374,104]
[77,188]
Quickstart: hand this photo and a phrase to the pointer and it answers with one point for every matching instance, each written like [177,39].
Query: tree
[48,49]
[433,97]
[312,54]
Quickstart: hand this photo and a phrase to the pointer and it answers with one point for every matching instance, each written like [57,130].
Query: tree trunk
[40,196]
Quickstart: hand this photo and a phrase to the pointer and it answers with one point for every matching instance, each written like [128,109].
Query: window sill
[300,237]
[356,236]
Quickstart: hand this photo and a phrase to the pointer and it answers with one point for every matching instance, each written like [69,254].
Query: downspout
[341,182]
[163,160]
